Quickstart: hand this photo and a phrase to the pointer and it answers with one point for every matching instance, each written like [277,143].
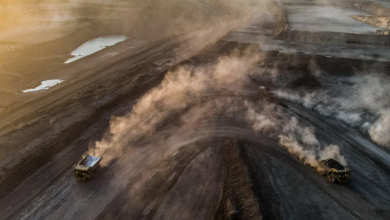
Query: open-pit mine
[195,109]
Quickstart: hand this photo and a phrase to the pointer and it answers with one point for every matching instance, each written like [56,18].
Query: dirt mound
[372,7]
[380,22]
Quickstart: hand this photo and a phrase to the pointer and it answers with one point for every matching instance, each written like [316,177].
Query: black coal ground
[147,183]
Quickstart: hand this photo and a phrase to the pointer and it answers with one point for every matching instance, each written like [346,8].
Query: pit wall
[370,7]
[375,21]
[379,38]
[334,38]
[381,14]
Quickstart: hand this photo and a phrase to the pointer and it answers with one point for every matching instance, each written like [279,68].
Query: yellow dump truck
[334,171]
[84,169]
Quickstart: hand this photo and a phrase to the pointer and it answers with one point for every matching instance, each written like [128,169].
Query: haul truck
[84,169]
[334,171]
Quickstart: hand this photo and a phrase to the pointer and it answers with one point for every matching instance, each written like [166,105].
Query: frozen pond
[44,85]
[94,46]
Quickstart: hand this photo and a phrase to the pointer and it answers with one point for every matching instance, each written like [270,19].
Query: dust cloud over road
[149,20]
[358,100]
[208,110]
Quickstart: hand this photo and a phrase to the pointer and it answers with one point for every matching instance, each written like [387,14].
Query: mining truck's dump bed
[90,161]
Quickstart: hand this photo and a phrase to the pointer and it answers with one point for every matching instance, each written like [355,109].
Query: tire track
[288,161]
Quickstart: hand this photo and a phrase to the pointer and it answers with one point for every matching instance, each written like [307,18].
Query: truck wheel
[331,177]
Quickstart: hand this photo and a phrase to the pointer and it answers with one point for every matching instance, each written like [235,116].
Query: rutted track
[287,160]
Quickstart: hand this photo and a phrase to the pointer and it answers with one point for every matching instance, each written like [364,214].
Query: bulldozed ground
[218,167]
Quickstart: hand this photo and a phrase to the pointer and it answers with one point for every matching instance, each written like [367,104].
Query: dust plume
[302,142]
[183,92]
[298,139]
[149,20]
[307,156]
[179,90]
[360,100]
[189,96]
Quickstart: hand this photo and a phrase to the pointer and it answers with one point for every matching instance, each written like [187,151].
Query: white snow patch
[44,85]
[94,46]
